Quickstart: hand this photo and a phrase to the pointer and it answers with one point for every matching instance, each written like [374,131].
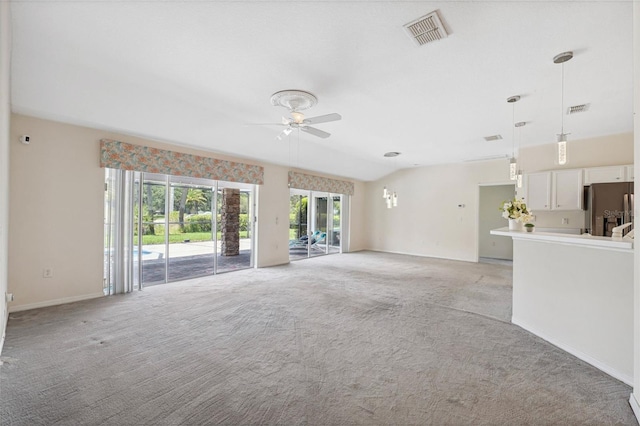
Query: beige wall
[358,231]
[57,211]
[428,221]
[593,152]
[5,114]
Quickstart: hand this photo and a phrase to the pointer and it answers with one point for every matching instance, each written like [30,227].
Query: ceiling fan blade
[262,124]
[323,118]
[315,132]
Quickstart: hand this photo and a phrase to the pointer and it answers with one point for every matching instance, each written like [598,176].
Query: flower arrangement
[516,209]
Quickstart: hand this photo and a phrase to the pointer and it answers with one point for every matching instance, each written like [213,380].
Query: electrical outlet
[565,220]
[47,273]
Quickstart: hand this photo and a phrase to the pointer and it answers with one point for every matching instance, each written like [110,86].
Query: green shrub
[198,223]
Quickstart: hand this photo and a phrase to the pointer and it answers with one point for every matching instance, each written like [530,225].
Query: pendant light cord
[513,131]
[562,103]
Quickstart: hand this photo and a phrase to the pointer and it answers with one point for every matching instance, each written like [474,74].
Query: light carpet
[361,338]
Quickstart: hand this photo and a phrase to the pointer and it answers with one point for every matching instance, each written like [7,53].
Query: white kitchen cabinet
[566,189]
[555,190]
[538,191]
[604,174]
[629,173]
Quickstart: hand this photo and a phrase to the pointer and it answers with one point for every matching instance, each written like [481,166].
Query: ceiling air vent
[426,29]
[492,138]
[578,108]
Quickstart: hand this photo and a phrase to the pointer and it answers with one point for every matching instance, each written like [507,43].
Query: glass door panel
[191,245]
[154,188]
[234,226]
[319,236]
[298,229]
[333,233]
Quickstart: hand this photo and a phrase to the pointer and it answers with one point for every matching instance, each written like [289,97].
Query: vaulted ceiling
[197,73]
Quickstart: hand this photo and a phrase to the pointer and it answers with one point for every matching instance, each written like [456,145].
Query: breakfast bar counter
[576,292]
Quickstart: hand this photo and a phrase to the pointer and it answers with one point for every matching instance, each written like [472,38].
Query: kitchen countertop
[606,243]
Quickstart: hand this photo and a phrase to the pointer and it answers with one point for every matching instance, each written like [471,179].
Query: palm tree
[195,198]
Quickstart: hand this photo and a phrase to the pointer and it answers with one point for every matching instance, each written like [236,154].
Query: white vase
[515,225]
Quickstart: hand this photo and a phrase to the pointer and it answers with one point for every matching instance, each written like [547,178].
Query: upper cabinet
[557,190]
[630,173]
[567,190]
[564,189]
[538,191]
[604,174]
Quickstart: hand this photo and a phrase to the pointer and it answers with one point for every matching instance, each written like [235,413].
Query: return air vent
[578,108]
[426,29]
[493,138]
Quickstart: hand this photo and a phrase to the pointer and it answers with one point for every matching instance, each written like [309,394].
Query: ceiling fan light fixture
[298,117]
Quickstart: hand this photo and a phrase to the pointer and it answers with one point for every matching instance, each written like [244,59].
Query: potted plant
[529,227]
[516,211]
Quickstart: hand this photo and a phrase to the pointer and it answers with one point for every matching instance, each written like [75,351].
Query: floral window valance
[317,183]
[121,155]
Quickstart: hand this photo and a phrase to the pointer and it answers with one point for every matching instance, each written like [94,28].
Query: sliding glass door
[314,224]
[191,249]
[169,228]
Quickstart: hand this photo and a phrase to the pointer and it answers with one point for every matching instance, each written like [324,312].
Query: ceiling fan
[295,101]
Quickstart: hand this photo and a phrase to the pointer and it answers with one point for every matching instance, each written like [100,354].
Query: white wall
[635,397]
[5,116]
[56,211]
[493,246]
[563,294]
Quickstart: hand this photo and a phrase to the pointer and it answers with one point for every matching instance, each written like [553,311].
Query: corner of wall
[635,396]
[5,118]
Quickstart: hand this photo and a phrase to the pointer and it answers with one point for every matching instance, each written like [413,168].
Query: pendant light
[562,137]
[390,197]
[513,165]
[519,125]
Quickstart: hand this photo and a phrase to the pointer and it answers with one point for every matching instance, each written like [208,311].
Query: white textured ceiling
[195,72]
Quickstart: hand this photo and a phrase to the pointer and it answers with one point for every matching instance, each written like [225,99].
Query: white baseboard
[424,255]
[54,302]
[625,378]
[635,405]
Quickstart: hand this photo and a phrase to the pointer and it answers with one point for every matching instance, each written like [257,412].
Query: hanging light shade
[390,197]
[562,137]
[513,168]
[513,163]
[519,179]
[519,173]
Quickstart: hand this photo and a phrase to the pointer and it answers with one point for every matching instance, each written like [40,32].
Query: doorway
[493,247]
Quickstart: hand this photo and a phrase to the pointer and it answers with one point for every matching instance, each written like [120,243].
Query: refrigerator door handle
[625,215]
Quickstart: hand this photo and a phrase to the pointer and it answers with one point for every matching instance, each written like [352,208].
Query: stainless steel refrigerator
[608,205]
